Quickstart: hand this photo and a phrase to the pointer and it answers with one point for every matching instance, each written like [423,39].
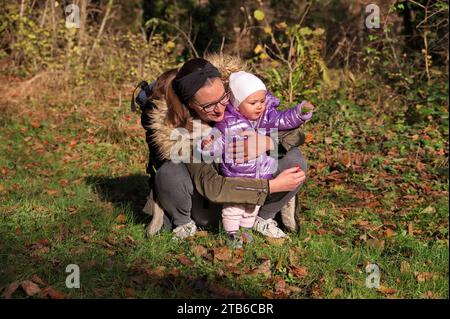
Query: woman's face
[210,101]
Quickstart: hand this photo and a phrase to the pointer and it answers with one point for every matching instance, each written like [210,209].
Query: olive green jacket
[220,189]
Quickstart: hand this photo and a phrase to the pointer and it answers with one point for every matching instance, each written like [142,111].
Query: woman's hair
[159,90]
[178,114]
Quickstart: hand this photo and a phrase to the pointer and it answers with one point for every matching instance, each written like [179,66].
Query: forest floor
[73,183]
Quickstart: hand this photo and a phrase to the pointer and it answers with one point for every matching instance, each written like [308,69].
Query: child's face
[254,105]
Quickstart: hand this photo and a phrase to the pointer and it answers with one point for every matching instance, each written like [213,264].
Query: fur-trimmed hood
[165,135]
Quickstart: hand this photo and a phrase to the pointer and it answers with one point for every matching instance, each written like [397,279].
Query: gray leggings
[182,203]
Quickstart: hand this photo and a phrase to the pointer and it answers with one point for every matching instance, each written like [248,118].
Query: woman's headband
[186,86]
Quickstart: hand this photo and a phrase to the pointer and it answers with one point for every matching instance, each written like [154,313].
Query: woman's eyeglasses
[209,108]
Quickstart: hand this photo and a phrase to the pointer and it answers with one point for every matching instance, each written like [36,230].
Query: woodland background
[72,155]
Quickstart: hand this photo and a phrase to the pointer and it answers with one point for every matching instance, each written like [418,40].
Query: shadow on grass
[118,276]
[123,191]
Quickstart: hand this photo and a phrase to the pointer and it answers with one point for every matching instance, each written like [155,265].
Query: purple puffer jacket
[234,123]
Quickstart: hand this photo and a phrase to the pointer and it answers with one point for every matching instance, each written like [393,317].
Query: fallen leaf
[38,280]
[299,272]
[52,192]
[294,255]
[264,268]
[35,123]
[267,293]
[345,159]
[309,137]
[76,251]
[275,241]
[73,143]
[72,210]
[185,260]
[121,219]
[237,259]
[30,287]
[63,182]
[174,272]
[110,252]
[280,287]
[201,233]
[316,291]
[51,293]
[7,294]
[430,295]
[222,254]
[130,293]
[43,241]
[363,223]
[18,231]
[410,229]
[158,272]
[130,241]
[238,253]
[41,250]
[386,290]
[389,233]
[199,250]
[405,267]
[294,289]
[420,166]
[376,244]
[89,264]
[86,222]
[425,276]
[429,210]
[337,292]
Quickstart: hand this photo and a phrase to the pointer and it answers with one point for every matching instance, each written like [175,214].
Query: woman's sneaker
[268,227]
[185,231]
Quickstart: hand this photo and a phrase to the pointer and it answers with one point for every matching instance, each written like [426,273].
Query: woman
[190,192]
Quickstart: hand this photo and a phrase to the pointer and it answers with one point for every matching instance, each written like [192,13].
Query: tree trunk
[83,15]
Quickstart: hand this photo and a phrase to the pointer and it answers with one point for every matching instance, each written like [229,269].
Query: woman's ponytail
[177,114]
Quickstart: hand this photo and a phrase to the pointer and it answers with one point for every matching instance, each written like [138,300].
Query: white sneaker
[268,227]
[185,231]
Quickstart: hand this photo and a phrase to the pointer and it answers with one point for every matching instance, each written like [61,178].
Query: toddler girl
[251,107]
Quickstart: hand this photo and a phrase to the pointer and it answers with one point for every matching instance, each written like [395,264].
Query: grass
[72,186]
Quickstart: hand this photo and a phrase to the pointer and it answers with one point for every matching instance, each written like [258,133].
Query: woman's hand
[287,180]
[250,148]
[206,143]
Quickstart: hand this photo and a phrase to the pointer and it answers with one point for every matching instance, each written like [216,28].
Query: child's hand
[307,107]
[206,143]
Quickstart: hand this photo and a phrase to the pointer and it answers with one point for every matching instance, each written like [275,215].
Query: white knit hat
[243,84]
